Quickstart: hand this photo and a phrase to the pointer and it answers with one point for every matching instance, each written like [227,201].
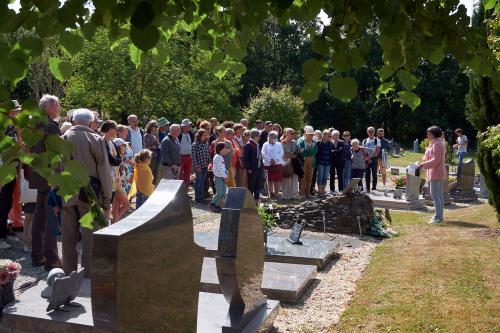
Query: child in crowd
[220,176]
[143,176]
[359,158]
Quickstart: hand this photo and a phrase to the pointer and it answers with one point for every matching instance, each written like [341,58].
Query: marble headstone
[240,259]
[483,189]
[412,187]
[416,146]
[146,268]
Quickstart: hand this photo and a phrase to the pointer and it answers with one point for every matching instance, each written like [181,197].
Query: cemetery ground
[441,278]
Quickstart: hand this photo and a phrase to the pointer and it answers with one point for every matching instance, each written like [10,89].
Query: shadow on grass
[464,224]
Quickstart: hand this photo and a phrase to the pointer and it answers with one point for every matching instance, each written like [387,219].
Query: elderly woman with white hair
[272,155]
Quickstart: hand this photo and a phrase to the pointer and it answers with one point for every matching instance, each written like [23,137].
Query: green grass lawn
[443,278]
[403,161]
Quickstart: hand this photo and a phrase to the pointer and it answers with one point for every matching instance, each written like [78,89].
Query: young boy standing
[220,176]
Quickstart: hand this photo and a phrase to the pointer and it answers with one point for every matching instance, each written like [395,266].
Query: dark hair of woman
[107,125]
[199,134]
[150,125]
[435,131]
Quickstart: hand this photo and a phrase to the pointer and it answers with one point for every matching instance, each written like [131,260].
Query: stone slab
[212,310]
[282,282]
[27,314]
[381,201]
[311,252]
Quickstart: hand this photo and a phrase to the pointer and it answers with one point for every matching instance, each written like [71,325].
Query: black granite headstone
[146,268]
[240,259]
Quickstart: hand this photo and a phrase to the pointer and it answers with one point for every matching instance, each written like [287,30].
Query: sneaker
[435,221]
[4,245]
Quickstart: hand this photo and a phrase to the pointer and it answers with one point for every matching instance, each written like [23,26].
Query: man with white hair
[171,153]
[44,241]
[135,134]
[90,149]
[244,122]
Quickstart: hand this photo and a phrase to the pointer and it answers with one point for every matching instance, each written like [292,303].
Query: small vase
[6,293]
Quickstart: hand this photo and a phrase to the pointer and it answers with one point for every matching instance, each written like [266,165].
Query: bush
[488,158]
[279,106]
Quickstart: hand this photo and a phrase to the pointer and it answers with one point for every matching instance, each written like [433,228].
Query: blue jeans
[436,189]
[460,156]
[346,173]
[221,187]
[140,199]
[199,184]
[323,173]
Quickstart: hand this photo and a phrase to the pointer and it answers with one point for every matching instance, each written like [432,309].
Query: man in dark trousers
[338,161]
[44,241]
[252,161]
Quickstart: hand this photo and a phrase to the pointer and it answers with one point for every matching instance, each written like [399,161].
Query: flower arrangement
[8,271]
[268,220]
[399,181]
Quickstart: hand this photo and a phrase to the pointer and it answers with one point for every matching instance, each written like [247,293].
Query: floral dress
[127,171]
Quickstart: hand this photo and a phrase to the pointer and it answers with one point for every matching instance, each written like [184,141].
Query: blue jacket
[252,160]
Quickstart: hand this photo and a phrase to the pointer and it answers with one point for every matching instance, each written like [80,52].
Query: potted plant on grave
[268,220]
[9,270]
[399,181]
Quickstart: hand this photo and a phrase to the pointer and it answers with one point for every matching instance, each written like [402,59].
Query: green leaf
[489,4]
[61,69]
[344,88]
[237,52]
[340,61]
[385,72]
[59,146]
[238,68]
[314,69]
[89,30]
[34,45]
[143,15]
[310,91]
[13,69]
[7,173]
[320,46]
[437,55]
[31,136]
[408,80]
[71,43]
[78,171]
[145,39]
[87,220]
[408,98]
[135,55]
[385,88]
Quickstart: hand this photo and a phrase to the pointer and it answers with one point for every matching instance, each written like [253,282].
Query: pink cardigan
[434,158]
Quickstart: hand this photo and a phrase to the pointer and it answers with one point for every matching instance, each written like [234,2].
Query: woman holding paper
[434,162]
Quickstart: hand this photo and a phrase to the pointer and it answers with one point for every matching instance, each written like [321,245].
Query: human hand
[56,210]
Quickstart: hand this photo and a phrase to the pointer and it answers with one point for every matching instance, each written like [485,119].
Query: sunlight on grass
[403,161]
[431,278]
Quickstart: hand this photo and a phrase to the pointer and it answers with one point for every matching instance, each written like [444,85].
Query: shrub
[488,158]
[279,106]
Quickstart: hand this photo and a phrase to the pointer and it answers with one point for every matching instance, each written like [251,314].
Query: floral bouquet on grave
[399,181]
[9,270]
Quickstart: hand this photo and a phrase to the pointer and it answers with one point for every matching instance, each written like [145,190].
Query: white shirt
[185,144]
[272,152]
[371,144]
[462,143]
[219,167]
[135,140]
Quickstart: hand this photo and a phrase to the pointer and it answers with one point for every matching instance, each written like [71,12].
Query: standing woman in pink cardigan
[434,160]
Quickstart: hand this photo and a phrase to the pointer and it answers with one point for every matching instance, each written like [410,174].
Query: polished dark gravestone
[240,260]
[282,282]
[146,269]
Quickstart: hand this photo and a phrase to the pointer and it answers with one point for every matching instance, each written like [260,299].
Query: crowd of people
[126,162]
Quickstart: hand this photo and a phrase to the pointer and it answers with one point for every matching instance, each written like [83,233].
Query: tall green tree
[105,78]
